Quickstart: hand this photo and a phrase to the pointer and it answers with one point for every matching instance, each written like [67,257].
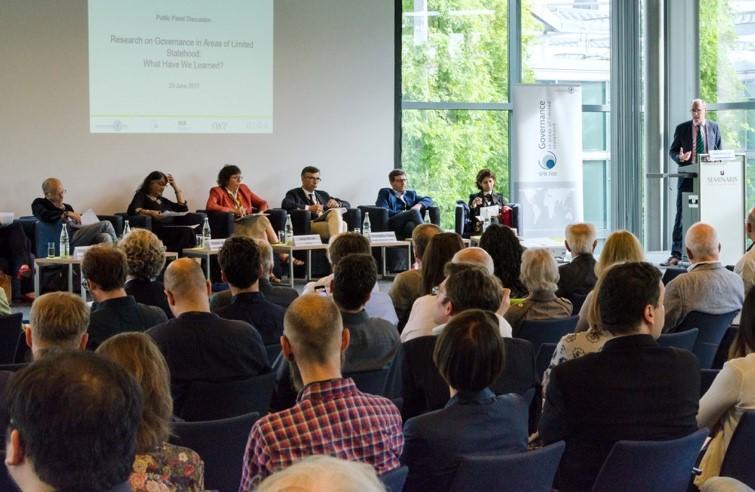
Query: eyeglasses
[436,290]
[315,178]
[238,177]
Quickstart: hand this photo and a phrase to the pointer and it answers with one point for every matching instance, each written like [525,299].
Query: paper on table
[6,218]
[170,213]
[489,212]
[89,217]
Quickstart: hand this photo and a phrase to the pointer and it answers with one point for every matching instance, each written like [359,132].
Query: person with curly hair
[502,244]
[145,259]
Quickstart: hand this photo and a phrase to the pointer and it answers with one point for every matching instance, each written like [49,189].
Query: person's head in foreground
[314,339]
[58,321]
[240,262]
[539,271]
[580,238]
[145,254]
[421,236]
[346,244]
[469,353]
[620,246]
[467,286]
[440,249]
[104,269]
[186,287]
[73,424]
[323,474]
[353,280]
[630,300]
[137,353]
[702,243]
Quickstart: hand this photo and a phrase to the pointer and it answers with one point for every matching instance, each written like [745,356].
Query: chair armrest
[277,218]
[460,218]
[378,217]
[434,215]
[47,232]
[222,224]
[300,220]
[353,219]
[117,222]
[141,221]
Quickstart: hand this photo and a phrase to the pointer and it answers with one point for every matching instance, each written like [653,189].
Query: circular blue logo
[548,161]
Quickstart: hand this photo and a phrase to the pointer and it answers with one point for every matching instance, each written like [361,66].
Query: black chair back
[394,480]
[372,382]
[272,351]
[576,302]
[22,352]
[683,340]
[712,329]
[220,444]
[706,379]
[740,455]
[543,358]
[650,465]
[543,331]
[212,401]
[531,471]
[10,327]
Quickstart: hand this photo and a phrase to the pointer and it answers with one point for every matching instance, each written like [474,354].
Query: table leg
[291,267]
[309,265]
[83,292]
[36,280]
[207,263]
[382,255]
[70,277]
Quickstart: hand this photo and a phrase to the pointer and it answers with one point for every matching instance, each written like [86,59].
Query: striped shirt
[332,418]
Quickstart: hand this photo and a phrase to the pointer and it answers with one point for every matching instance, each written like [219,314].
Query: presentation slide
[181,66]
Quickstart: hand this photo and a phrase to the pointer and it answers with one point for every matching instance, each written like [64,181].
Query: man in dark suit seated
[469,356]
[405,207]
[199,345]
[632,390]
[240,266]
[104,271]
[577,278]
[320,203]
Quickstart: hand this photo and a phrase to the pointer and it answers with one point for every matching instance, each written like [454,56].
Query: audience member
[104,271]
[440,249]
[503,245]
[468,286]
[469,355]
[708,287]
[407,286]
[331,415]
[379,305]
[620,246]
[57,321]
[577,278]
[158,464]
[326,218]
[277,294]
[745,267]
[15,256]
[199,345]
[486,197]
[240,266]
[405,207]
[373,341]
[477,256]
[74,419]
[166,214]
[731,393]
[658,391]
[51,209]
[4,305]
[540,278]
[319,473]
[145,259]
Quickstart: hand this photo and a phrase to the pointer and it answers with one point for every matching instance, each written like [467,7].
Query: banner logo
[548,161]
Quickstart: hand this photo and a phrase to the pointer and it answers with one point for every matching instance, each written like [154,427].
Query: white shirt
[503,326]
[378,306]
[420,322]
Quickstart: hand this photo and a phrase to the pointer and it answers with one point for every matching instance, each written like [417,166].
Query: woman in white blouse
[732,392]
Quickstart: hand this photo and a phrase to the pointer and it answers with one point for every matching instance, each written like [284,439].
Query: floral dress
[168,468]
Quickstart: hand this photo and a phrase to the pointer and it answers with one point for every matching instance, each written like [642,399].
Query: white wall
[333,108]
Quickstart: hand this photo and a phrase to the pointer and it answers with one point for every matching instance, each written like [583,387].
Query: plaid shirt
[332,418]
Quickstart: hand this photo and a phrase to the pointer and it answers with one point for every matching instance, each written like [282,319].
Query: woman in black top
[149,201]
[486,197]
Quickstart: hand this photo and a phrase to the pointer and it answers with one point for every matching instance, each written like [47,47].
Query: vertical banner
[546,166]
[722,203]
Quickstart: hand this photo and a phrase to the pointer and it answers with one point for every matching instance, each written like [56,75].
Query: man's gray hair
[580,237]
[311,473]
[539,270]
[702,241]
[266,256]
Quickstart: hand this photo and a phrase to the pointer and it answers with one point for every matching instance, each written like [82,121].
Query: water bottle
[366,226]
[126,228]
[206,234]
[427,217]
[65,246]
[289,231]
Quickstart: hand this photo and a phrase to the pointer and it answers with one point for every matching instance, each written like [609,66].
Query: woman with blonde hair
[145,259]
[621,246]
[158,465]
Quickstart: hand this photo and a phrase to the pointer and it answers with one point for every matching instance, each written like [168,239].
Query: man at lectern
[693,137]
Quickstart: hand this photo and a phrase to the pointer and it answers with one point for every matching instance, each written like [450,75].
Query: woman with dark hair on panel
[486,197]
[149,201]
[504,247]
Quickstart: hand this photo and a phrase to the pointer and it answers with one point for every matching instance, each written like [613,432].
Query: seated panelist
[405,207]
[149,201]
[51,209]
[320,203]
[486,197]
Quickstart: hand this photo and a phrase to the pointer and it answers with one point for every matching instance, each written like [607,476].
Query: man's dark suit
[683,139]
[471,423]
[633,390]
[149,292]
[119,315]
[401,218]
[576,278]
[295,199]
[423,389]
[205,347]
[277,294]
[263,315]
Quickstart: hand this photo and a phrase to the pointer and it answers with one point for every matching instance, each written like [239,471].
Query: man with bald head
[199,345]
[708,287]
[51,209]
[745,267]
[331,416]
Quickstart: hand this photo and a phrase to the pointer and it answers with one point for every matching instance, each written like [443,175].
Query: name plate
[721,155]
[79,252]
[382,237]
[307,240]
[216,243]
